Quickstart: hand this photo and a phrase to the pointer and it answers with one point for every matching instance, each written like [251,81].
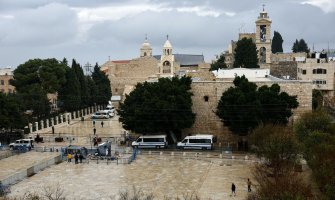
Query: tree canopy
[102,83]
[300,46]
[246,54]
[160,107]
[10,112]
[244,107]
[277,43]
[219,64]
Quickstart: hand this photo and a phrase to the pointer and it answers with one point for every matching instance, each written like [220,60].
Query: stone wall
[208,123]
[284,69]
[130,73]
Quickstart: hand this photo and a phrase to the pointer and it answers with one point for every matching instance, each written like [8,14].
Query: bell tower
[167,59]
[263,37]
[146,50]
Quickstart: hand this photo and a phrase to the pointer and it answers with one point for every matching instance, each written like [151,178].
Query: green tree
[69,95]
[317,99]
[102,84]
[84,95]
[91,90]
[317,121]
[277,43]
[276,178]
[10,112]
[244,107]
[246,54]
[300,46]
[219,64]
[239,106]
[276,106]
[161,107]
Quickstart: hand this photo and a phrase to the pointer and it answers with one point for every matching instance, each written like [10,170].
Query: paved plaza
[163,176]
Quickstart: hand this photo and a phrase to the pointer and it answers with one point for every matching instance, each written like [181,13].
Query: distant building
[6,74]
[319,70]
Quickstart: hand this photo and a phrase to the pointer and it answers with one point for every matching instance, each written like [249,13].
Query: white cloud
[200,11]
[325,5]
[6,16]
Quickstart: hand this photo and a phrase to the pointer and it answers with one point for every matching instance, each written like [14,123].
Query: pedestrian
[249,185]
[102,124]
[81,158]
[233,189]
[69,157]
[94,130]
[94,122]
[76,158]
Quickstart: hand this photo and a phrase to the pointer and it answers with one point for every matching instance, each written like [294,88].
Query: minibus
[197,142]
[150,141]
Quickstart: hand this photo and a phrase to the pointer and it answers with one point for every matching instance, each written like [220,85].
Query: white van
[197,142]
[150,141]
[101,114]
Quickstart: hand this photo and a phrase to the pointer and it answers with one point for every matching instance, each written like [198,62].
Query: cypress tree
[277,43]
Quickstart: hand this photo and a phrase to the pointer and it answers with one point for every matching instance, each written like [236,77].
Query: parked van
[197,142]
[151,141]
[28,143]
[101,114]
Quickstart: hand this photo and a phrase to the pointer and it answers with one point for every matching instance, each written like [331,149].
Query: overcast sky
[92,30]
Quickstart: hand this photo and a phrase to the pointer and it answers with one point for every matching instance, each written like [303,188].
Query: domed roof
[146,45]
[167,44]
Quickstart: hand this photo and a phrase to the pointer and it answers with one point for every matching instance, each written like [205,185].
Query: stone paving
[163,176]
[19,162]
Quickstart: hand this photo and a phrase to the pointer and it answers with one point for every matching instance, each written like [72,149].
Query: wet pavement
[163,176]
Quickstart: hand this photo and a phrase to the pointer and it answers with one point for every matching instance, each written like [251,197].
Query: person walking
[249,185]
[76,158]
[233,189]
[94,130]
[69,157]
[94,122]
[102,124]
[81,158]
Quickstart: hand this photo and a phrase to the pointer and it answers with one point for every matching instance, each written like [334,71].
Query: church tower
[146,50]
[263,37]
[167,59]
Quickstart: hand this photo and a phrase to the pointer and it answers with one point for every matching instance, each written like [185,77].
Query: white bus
[150,141]
[197,142]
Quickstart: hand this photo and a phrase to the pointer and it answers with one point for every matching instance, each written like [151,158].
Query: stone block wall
[281,69]
[208,93]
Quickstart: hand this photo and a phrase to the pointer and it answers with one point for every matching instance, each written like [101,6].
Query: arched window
[166,67]
[145,54]
[262,55]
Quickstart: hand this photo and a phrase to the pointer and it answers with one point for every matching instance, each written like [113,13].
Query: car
[151,141]
[110,112]
[26,143]
[101,115]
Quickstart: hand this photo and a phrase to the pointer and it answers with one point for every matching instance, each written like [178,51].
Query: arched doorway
[166,67]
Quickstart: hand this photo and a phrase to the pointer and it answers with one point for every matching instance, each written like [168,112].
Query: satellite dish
[109,102]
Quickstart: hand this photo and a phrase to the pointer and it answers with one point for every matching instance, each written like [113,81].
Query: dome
[146,45]
[167,44]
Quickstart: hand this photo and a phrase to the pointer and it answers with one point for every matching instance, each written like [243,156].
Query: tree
[102,84]
[161,107]
[300,46]
[219,64]
[277,43]
[84,95]
[246,54]
[34,79]
[317,121]
[69,95]
[277,179]
[244,107]
[239,106]
[10,112]
[316,132]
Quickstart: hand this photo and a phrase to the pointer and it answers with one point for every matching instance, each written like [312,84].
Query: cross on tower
[263,7]
[167,37]
[146,37]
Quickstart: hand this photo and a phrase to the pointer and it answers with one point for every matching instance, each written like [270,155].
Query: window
[2,82]
[206,98]
[304,71]
[320,82]
[319,71]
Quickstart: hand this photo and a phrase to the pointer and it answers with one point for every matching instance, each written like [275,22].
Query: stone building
[6,74]
[319,70]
